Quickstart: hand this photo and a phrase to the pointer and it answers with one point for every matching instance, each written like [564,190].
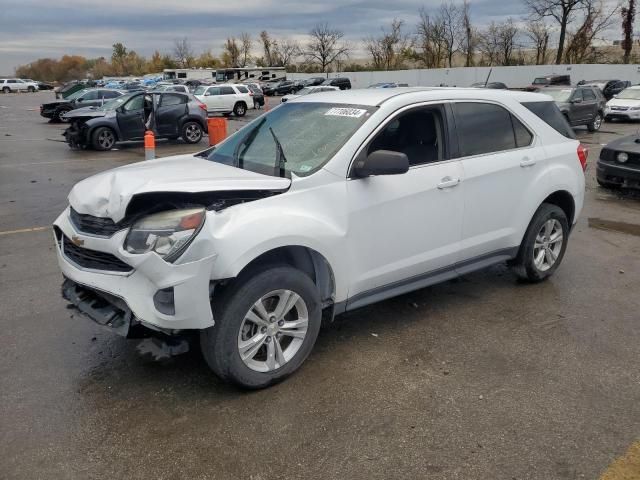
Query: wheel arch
[92,128]
[564,200]
[303,258]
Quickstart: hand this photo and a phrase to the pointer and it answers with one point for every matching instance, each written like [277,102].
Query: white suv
[8,85]
[225,98]
[329,202]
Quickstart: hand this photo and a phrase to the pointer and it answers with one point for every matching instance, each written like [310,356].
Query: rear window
[242,89]
[550,113]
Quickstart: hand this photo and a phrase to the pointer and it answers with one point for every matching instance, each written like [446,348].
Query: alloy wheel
[106,139]
[193,132]
[548,245]
[597,122]
[273,330]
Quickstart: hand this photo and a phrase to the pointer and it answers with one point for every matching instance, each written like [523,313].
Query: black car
[582,105]
[549,81]
[256,93]
[619,163]
[342,83]
[314,81]
[285,87]
[609,88]
[492,85]
[168,114]
[88,97]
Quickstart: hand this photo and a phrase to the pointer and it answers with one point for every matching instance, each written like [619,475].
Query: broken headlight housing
[166,233]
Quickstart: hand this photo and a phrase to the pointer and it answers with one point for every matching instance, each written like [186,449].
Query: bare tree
[183,52]
[268,49]
[628,15]
[450,17]
[489,44]
[580,48]
[246,43]
[286,51]
[507,32]
[325,46]
[538,33]
[470,38]
[562,11]
[231,52]
[430,40]
[389,51]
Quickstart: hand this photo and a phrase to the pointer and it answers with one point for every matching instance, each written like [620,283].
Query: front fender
[102,122]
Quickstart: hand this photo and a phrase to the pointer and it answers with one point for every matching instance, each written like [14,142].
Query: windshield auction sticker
[346,112]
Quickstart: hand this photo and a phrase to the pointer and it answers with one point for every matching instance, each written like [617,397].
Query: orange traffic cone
[149,145]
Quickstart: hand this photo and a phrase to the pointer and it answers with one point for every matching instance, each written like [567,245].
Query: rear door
[501,160]
[228,98]
[172,107]
[131,118]
[590,104]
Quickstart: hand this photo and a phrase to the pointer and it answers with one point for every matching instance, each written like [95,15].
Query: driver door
[405,230]
[131,118]
[212,99]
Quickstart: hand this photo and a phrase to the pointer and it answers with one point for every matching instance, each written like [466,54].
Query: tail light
[201,105]
[583,153]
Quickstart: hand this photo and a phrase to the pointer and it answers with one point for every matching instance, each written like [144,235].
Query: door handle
[527,162]
[448,182]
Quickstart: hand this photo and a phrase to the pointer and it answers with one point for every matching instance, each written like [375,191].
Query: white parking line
[24,230]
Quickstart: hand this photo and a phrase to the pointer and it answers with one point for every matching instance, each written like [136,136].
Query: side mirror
[381,162]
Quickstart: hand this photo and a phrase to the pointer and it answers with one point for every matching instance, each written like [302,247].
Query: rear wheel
[266,326]
[240,109]
[31,89]
[544,244]
[596,123]
[191,132]
[6,90]
[103,138]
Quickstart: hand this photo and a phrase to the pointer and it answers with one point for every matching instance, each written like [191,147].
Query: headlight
[634,108]
[166,233]
[622,157]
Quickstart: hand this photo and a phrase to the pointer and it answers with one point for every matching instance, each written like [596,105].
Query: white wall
[514,77]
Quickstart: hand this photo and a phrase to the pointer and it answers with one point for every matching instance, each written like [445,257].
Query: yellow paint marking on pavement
[626,467]
[24,230]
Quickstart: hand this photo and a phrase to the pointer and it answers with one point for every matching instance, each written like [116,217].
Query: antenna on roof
[487,80]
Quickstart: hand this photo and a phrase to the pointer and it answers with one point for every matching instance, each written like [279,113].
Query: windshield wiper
[280,158]
[246,140]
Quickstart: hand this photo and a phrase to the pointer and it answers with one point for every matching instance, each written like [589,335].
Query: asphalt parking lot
[481,378]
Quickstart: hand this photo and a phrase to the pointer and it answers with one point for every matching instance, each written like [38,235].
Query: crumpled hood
[85,112]
[107,194]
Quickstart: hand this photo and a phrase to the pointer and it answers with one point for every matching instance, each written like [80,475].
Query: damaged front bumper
[119,290]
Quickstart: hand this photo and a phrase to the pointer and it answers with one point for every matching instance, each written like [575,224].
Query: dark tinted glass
[550,113]
[523,136]
[226,91]
[588,94]
[483,128]
[170,99]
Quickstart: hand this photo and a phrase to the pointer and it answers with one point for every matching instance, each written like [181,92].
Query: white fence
[513,77]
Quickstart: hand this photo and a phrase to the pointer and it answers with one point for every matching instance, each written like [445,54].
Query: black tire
[240,109]
[192,132]
[31,89]
[59,113]
[596,123]
[219,343]
[524,265]
[103,139]
[6,90]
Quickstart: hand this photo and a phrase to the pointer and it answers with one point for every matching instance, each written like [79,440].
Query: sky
[32,29]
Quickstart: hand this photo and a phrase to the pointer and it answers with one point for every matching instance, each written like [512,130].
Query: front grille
[104,227]
[620,109]
[93,259]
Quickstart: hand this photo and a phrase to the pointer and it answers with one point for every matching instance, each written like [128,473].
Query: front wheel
[544,244]
[59,115]
[103,139]
[31,89]
[191,132]
[240,109]
[596,123]
[266,325]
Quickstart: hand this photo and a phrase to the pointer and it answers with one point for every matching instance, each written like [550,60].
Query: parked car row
[12,85]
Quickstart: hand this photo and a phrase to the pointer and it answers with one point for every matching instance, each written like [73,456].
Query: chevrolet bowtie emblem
[78,242]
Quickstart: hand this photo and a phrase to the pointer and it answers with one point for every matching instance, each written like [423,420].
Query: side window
[588,95]
[483,128]
[213,91]
[136,103]
[523,136]
[171,99]
[577,95]
[110,94]
[417,133]
[242,89]
[226,91]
